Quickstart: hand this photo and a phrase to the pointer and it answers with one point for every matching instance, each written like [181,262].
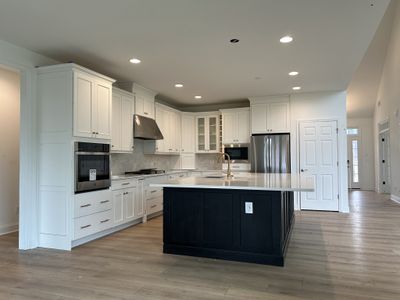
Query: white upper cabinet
[169,122]
[207,133]
[270,114]
[144,101]
[92,106]
[122,121]
[188,133]
[235,126]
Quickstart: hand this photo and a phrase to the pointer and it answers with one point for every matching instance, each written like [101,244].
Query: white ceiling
[363,89]
[187,41]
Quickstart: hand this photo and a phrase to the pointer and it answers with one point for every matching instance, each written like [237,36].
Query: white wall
[388,105]
[366,159]
[25,61]
[9,149]
[322,106]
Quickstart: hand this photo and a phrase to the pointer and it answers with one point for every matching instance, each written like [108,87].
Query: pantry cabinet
[270,115]
[207,133]
[122,121]
[188,133]
[92,105]
[236,126]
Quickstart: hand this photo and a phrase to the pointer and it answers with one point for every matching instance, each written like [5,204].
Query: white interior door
[353,162]
[319,164]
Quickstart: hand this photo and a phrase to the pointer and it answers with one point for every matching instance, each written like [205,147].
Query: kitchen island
[246,218]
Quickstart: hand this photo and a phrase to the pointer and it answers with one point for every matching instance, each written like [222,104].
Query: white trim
[395,198]
[5,229]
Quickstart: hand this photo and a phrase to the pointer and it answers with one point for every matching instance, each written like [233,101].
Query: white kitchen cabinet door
[148,108]
[188,134]
[229,128]
[129,204]
[259,118]
[160,116]
[116,137]
[144,105]
[207,134]
[278,117]
[101,111]
[201,134]
[243,131]
[126,124]
[213,134]
[118,207]
[175,142]
[84,89]
[139,207]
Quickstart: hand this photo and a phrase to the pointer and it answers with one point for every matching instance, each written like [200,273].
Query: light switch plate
[248,207]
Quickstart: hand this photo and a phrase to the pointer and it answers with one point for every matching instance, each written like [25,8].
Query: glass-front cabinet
[207,133]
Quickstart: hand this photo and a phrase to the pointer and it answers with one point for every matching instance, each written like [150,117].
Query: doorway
[10,91]
[319,164]
[384,161]
[353,155]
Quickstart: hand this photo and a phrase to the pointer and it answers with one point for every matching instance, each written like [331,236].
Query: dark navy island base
[213,223]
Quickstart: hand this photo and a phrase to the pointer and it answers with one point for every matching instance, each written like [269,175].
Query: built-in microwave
[237,152]
[92,167]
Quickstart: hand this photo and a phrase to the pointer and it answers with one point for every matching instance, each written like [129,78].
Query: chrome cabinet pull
[153,191]
[126,183]
[105,221]
[105,201]
[86,205]
[153,206]
[86,226]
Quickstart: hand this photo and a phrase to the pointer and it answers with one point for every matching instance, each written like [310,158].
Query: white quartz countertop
[247,181]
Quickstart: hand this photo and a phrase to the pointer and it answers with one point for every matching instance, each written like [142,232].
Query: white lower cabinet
[92,212]
[127,202]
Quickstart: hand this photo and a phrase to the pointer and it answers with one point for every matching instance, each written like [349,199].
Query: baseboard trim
[395,198]
[9,228]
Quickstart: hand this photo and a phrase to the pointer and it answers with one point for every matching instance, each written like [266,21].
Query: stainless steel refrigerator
[270,153]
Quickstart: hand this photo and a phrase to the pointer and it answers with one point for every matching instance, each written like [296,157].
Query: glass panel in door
[201,134]
[353,165]
[212,129]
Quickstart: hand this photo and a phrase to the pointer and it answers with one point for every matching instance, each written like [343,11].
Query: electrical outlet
[248,207]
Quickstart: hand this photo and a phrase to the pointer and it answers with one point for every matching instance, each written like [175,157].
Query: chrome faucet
[229,171]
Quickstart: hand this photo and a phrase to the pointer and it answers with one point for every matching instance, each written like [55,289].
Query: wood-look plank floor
[330,256]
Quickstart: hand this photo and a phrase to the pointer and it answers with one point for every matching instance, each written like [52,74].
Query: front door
[353,163]
[319,164]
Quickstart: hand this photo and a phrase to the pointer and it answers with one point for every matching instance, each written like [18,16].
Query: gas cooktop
[145,172]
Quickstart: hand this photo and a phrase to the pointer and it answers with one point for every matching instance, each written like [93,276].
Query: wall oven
[92,167]
[238,153]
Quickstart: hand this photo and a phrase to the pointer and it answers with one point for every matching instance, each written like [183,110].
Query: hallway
[330,256]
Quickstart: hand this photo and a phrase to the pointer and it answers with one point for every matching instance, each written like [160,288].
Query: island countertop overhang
[252,181]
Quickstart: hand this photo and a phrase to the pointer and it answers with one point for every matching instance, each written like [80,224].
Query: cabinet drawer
[153,192]
[154,205]
[91,224]
[123,184]
[93,202]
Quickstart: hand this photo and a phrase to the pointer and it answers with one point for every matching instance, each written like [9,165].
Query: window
[354,147]
[352,131]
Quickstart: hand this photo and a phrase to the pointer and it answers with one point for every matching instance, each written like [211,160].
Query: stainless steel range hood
[146,128]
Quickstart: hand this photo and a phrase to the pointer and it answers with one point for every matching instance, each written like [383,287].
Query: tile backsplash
[123,162]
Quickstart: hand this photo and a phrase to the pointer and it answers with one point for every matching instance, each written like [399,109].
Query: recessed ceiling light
[234,41]
[198,97]
[178,85]
[286,39]
[296,88]
[293,73]
[135,61]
